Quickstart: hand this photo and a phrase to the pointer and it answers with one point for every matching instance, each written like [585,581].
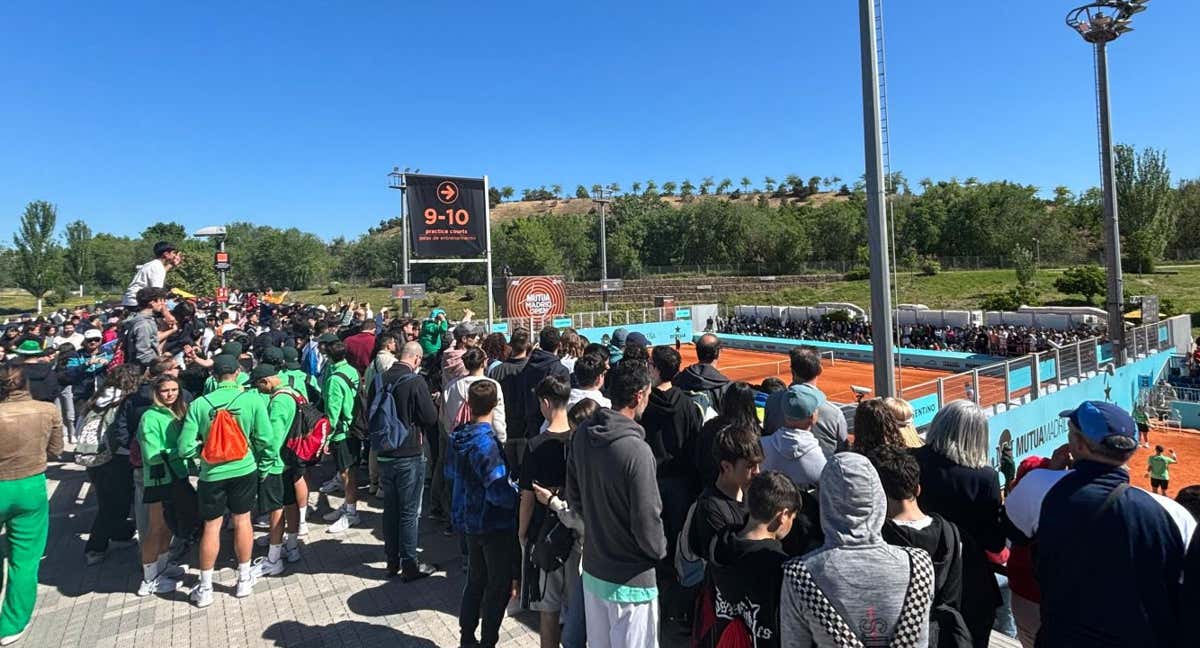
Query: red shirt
[358,350]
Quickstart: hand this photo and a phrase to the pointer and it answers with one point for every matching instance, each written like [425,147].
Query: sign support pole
[487,219]
[406,303]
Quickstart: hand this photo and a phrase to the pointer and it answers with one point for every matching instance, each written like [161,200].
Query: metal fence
[594,319]
[1019,380]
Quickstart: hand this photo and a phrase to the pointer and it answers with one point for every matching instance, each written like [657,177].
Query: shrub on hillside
[1011,300]
[930,266]
[1086,280]
[858,274]
[469,294]
[333,288]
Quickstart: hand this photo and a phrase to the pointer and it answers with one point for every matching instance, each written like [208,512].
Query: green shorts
[271,493]
[235,495]
[346,452]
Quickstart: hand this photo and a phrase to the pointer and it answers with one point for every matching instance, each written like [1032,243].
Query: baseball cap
[802,402]
[467,329]
[225,364]
[637,338]
[92,334]
[263,370]
[326,338]
[291,358]
[162,247]
[273,356]
[618,337]
[232,348]
[1100,422]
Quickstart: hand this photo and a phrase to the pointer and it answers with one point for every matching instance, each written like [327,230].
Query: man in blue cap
[1109,557]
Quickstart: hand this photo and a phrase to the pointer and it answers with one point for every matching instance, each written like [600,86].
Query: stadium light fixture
[397,180]
[1100,23]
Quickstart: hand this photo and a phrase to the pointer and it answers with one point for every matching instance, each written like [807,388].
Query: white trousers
[620,625]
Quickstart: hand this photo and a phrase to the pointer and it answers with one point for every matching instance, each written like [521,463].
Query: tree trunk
[39,305]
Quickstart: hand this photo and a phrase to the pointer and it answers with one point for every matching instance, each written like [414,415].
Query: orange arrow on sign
[448,192]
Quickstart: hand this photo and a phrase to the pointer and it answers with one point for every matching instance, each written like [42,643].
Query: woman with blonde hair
[158,434]
[903,412]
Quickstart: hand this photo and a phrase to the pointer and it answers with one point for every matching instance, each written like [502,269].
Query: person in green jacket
[230,486]
[341,389]
[275,477]
[432,330]
[158,435]
[293,376]
[211,383]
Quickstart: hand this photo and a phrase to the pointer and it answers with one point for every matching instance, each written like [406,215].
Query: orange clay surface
[755,366]
[1184,473]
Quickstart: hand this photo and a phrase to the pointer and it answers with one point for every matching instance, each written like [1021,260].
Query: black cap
[162,247]
[224,365]
[273,356]
[327,338]
[263,370]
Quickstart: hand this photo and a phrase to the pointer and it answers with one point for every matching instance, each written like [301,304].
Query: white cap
[92,334]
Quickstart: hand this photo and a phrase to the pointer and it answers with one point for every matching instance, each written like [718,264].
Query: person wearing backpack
[29,431]
[104,450]
[746,565]
[219,429]
[402,469]
[293,376]
[340,390]
[909,526]
[484,510]
[703,378]
[856,589]
[158,433]
[276,489]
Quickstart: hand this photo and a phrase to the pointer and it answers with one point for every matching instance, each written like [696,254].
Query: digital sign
[448,216]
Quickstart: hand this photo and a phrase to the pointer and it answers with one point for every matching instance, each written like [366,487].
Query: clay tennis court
[755,366]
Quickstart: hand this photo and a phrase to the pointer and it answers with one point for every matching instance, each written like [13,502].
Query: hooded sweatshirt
[746,577]
[452,366]
[672,423]
[940,539]
[141,335]
[864,578]
[703,378]
[484,499]
[795,453]
[611,481]
[541,363]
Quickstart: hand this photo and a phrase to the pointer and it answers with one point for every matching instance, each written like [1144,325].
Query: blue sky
[293,113]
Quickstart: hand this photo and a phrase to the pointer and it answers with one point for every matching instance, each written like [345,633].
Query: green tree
[1186,243]
[1146,205]
[556,190]
[814,184]
[795,183]
[79,264]
[171,232]
[636,188]
[687,188]
[651,188]
[506,192]
[196,274]
[746,184]
[769,184]
[706,185]
[669,188]
[581,192]
[1086,280]
[1024,266]
[614,188]
[724,186]
[37,254]
[494,198]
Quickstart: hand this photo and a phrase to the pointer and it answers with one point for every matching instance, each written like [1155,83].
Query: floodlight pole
[881,302]
[398,180]
[1112,229]
[601,201]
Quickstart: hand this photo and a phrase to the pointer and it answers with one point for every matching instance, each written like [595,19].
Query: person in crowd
[570,349]
[456,412]
[830,428]
[228,486]
[382,359]
[1158,469]
[508,373]
[958,483]
[360,347]
[402,471]
[792,449]
[296,378]
[112,479]
[702,379]
[856,589]
[273,487]
[672,424]
[86,369]
[738,409]
[340,390]
[466,336]
[1096,535]
[40,369]
[158,435]
[152,274]
[432,330]
[140,332]
[1189,498]
[68,335]
[30,430]
[589,378]
[545,464]
[497,349]
[722,504]
[484,510]
[875,426]
[611,481]
[904,414]
[542,362]
[908,526]
[616,346]
[746,564]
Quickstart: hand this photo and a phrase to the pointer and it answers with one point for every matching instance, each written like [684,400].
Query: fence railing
[593,319]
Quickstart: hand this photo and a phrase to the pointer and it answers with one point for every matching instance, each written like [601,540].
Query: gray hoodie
[862,576]
[794,453]
[141,339]
[611,482]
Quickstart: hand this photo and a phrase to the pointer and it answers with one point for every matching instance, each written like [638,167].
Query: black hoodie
[703,378]
[672,423]
[610,480]
[541,364]
[942,542]
[747,576]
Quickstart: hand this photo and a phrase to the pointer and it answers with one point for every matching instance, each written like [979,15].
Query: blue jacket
[484,498]
[1111,580]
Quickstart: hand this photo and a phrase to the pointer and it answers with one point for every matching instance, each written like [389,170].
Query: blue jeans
[403,483]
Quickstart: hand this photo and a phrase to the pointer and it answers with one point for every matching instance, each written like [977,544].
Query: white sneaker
[12,639]
[332,486]
[246,587]
[263,567]
[335,514]
[343,523]
[201,596]
[262,522]
[263,540]
[292,555]
[160,585]
[303,529]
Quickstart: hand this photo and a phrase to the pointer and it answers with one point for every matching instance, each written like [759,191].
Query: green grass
[16,302]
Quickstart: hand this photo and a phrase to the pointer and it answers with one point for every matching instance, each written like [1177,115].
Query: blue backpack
[385,430]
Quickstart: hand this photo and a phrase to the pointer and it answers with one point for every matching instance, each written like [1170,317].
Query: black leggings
[113,483]
[490,561]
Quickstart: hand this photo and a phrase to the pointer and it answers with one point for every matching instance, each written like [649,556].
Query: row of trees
[792,185]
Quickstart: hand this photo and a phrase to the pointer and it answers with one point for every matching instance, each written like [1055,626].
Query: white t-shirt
[76,340]
[148,275]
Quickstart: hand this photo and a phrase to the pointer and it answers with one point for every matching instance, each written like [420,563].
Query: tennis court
[836,380]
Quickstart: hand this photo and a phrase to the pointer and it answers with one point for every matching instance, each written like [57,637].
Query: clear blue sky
[293,113]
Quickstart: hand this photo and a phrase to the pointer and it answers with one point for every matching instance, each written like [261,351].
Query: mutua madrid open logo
[536,296]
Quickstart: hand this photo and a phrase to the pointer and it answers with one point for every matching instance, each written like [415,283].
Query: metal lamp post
[396,180]
[1100,23]
[601,200]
